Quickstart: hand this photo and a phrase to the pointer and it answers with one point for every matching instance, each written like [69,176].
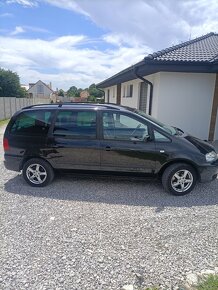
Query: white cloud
[157,24]
[35,29]
[17,30]
[64,61]
[25,3]
[134,29]
[6,15]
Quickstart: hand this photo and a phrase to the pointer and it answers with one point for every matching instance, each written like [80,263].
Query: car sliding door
[74,140]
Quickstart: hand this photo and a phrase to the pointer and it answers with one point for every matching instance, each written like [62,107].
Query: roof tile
[201,49]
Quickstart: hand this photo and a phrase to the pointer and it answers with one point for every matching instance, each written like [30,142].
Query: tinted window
[76,124]
[32,123]
[121,127]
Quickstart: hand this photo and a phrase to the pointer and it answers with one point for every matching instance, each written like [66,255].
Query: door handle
[108,148]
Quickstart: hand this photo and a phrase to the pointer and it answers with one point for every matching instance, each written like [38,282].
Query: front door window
[117,126]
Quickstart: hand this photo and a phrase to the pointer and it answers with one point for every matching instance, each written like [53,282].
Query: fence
[8,106]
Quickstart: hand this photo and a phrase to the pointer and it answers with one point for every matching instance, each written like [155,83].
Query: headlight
[211,156]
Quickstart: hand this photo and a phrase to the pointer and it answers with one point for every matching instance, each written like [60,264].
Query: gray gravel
[92,233]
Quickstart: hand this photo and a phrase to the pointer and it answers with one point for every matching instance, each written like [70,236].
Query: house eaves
[199,55]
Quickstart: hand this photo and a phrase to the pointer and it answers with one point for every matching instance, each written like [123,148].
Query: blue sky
[72,42]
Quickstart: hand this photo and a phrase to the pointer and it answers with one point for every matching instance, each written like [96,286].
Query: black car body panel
[65,151]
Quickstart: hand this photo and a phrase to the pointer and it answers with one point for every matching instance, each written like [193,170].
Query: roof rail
[110,106]
[28,107]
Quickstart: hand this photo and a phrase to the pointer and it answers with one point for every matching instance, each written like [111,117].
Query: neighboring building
[177,85]
[84,95]
[40,90]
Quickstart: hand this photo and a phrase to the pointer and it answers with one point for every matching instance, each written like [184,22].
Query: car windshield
[168,129]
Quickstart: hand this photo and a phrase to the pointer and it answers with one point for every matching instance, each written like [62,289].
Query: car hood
[203,146]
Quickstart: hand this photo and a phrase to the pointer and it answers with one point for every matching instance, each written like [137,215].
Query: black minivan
[42,139]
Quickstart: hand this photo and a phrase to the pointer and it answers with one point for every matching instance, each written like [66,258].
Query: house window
[40,89]
[129,92]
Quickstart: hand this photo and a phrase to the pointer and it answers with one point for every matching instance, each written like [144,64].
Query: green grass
[4,122]
[209,283]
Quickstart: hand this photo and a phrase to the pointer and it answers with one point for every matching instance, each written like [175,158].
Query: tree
[10,84]
[93,91]
[72,91]
[78,92]
[61,93]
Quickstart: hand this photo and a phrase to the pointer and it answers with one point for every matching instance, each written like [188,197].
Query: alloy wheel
[182,180]
[36,173]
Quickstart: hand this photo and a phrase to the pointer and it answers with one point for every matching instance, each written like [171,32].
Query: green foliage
[72,91]
[93,92]
[78,93]
[92,99]
[4,122]
[210,283]
[61,93]
[10,85]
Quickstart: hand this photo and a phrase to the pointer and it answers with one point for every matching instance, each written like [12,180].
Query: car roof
[77,106]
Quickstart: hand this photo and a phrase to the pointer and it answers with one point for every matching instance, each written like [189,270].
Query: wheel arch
[25,159]
[184,161]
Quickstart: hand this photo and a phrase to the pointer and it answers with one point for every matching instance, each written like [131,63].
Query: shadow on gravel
[115,190]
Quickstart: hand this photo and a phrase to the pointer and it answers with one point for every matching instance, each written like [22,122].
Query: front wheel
[37,172]
[179,179]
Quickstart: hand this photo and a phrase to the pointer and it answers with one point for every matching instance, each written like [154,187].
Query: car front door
[125,144]
[74,140]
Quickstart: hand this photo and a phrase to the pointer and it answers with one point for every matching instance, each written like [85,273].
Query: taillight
[5,144]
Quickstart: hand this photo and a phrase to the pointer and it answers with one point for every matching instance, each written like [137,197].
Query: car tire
[179,179]
[37,172]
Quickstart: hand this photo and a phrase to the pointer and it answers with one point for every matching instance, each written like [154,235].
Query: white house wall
[112,94]
[185,101]
[180,99]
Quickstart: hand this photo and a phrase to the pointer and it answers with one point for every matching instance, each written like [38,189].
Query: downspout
[151,88]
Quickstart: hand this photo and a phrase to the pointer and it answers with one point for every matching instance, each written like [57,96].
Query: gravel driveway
[92,233]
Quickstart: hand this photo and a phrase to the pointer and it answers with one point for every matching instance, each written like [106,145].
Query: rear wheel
[179,179]
[37,172]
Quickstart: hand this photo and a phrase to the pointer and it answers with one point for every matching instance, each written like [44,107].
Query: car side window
[158,137]
[118,126]
[76,124]
[32,123]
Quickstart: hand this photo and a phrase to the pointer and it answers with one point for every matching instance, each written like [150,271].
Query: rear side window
[32,123]
[76,124]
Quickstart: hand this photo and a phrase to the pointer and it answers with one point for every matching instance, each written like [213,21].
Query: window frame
[162,132]
[129,91]
[128,114]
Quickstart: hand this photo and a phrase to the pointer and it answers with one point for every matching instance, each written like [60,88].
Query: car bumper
[12,163]
[209,172]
